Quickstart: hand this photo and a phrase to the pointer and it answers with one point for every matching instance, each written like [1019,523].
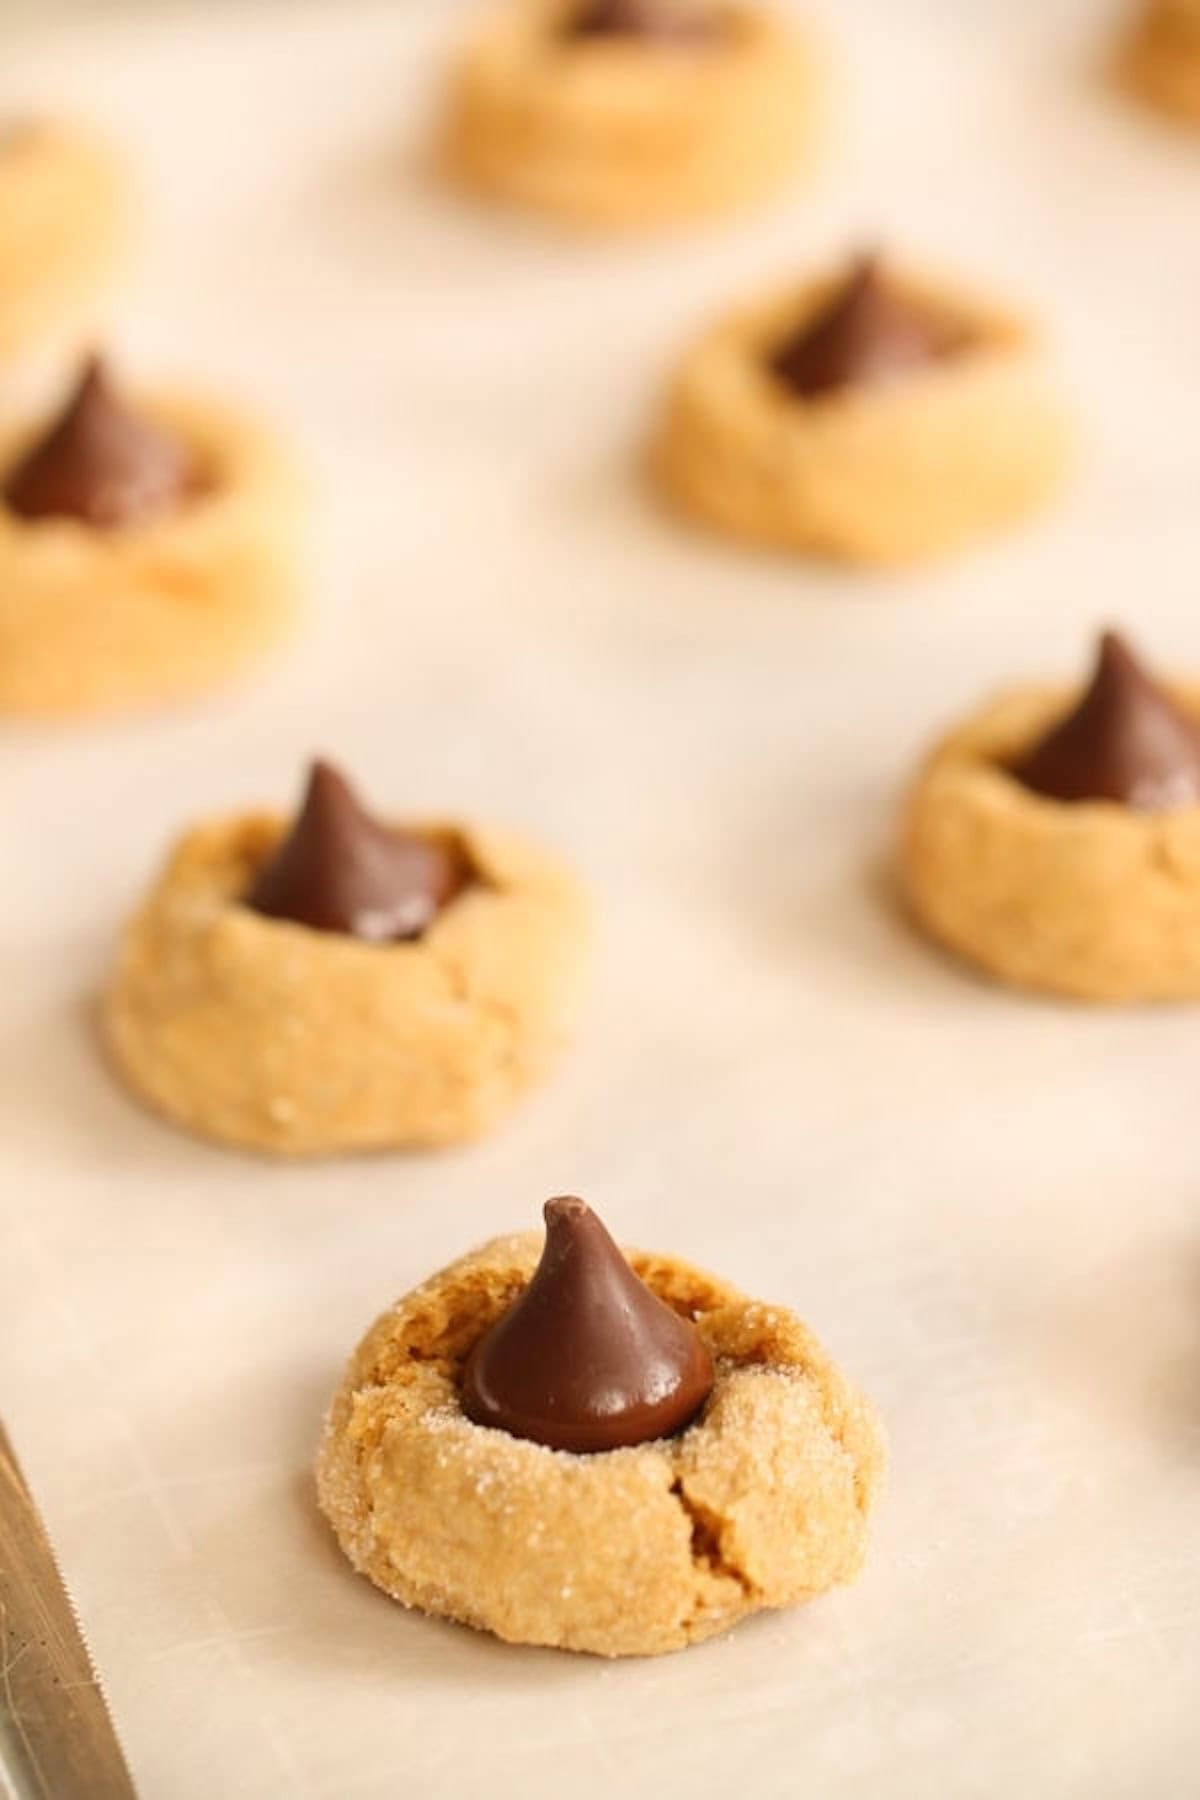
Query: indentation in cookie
[102,463]
[868,331]
[1126,740]
[340,870]
[661,21]
[588,1358]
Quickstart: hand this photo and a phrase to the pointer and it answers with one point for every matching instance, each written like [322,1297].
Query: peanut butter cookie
[631,112]
[146,552]
[600,1455]
[1054,839]
[874,416]
[1160,59]
[341,984]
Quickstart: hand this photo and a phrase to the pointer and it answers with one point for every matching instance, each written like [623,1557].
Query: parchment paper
[988,1206]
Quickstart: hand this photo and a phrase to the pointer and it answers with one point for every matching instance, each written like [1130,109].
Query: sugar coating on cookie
[1159,58]
[265,1033]
[1092,898]
[761,1502]
[619,128]
[65,222]
[100,612]
[874,471]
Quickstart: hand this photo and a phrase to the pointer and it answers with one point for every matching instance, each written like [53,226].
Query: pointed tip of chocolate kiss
[328,792]
[100,462]
[567,1206]
[338,869]
[1125,740]
[1116,661]
[93,383]
[866,332]
[864,277]
[587,1358]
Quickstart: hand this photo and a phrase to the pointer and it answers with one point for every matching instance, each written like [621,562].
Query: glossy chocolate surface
[339,869]
[101,463]
[586,1358]
[1126,740]
[867,332]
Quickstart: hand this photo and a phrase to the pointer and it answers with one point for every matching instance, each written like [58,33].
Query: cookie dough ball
[874,416]
[718,1464]
[64,226]
[338,984]
[1160,59]
[617,113]
[148,550]
[1054,839]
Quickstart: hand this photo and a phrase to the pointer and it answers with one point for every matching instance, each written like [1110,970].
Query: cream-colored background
[989,1207]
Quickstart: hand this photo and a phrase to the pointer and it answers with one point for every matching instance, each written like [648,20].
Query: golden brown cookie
[96,619]
[613,129]
[761,1502]
[875,471]
[1160,59]
[265,1033]
[64,224]
[1091,898]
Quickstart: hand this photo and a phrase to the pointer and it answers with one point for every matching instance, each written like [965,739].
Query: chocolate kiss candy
[866,333]
[338,869]
[1126,740]
[660,19]
[586,1358]
[100,463]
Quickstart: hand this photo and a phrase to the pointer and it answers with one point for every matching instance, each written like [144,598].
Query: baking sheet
[987,1206]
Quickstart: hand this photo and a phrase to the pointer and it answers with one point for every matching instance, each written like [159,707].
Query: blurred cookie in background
[335,982]
[66,227]
[149,547]
[1052,838]
[872,415]
[632,113]
[1160,58]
